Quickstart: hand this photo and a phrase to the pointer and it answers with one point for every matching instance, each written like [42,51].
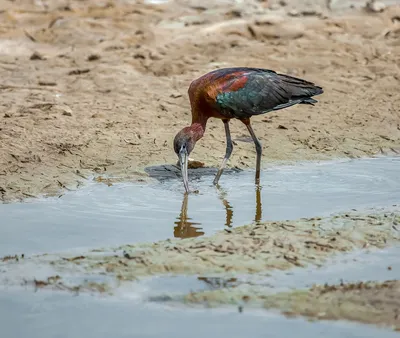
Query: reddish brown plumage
[203,92]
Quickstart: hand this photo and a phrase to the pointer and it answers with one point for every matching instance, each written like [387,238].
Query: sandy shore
[101,87]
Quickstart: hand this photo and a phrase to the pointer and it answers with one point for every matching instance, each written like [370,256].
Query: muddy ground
[101,86]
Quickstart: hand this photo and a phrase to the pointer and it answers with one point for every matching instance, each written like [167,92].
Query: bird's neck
[198,129]
[199,122]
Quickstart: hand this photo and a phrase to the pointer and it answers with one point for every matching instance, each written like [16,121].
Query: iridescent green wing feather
[253,91]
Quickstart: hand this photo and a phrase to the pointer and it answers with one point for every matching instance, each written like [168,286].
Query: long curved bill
[183,161]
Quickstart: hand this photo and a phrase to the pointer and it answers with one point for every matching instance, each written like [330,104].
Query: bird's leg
[229,148]
[258,148]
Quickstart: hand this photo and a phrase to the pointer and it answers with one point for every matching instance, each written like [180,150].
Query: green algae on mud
[257,248]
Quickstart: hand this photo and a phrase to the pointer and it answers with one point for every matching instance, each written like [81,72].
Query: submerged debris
[56,283]
[12,258]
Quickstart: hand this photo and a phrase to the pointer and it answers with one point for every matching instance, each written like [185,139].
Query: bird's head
[184,143]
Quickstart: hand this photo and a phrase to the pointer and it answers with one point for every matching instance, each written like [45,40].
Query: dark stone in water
[168,172]
[160,299]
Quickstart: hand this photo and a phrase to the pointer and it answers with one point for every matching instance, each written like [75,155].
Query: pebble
[375,6]
[37,56]
[293,12]
[307,12]
[274,7]
[269,19]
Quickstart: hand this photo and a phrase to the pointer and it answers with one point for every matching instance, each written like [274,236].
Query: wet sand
[364,302]
[101,88]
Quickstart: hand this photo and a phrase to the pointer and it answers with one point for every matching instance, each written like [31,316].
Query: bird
[237,93]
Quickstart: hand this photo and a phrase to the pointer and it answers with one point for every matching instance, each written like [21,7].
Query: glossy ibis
[237,93]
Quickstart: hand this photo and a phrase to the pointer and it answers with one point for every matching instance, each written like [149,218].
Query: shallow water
[127,314]
[48,315]
[98,215]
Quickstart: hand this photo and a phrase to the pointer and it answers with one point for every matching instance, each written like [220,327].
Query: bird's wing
[260,91]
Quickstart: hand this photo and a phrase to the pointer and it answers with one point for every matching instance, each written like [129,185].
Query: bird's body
[239,93]
[243,92]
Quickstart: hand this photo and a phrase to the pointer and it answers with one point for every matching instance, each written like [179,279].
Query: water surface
[99,215]
[49,315]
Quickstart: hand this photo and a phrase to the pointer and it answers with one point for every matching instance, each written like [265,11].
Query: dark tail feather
[296,101]
[300,89]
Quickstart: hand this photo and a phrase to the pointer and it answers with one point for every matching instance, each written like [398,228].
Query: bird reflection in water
[258,215]
[186,228]
[229,210]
